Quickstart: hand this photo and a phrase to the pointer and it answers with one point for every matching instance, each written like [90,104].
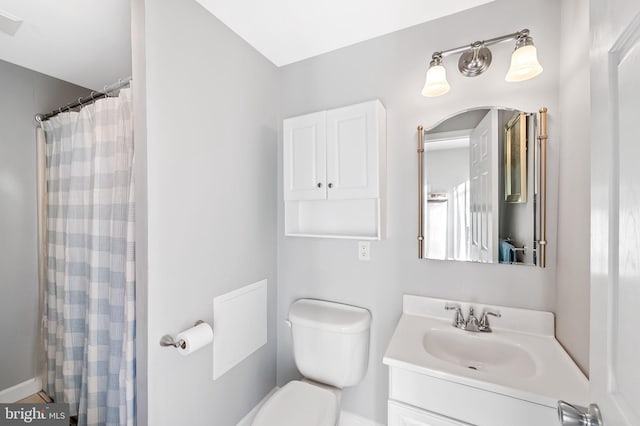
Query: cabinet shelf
[356,219]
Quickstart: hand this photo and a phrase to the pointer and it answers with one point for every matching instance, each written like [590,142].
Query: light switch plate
[364,250]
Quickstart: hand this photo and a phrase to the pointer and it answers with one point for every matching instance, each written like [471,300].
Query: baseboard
[21,390]
[346,418]
[349,419]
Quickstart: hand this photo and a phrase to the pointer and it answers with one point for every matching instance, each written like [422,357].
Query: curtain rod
[93,96]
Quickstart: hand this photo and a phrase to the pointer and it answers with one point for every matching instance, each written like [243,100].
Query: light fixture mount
[474,61]
[524,39]
[436,59]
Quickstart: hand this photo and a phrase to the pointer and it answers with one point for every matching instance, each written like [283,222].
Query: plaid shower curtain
[89,313]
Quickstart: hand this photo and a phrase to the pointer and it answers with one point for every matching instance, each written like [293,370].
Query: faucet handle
[459,318]
[484,319]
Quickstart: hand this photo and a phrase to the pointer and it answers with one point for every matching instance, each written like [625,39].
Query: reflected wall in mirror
[480,195]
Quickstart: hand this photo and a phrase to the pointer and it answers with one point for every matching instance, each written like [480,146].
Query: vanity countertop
[547,375]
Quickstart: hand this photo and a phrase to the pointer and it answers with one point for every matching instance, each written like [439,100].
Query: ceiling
[287,31]
[87,42]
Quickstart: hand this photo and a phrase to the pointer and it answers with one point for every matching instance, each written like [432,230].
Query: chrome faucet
[471,323]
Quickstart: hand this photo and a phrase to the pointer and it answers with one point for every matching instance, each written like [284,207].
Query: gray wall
[392,68]
[574,227]
[210,154]
[447,168]
[23,94]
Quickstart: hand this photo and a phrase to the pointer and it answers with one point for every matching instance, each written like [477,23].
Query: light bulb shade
[436,83]
[524,64]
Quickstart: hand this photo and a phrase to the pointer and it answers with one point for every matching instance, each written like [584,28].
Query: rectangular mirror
[480,188]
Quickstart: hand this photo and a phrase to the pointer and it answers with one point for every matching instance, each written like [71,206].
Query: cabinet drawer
[405,415]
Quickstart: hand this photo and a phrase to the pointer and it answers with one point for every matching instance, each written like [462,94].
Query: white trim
[20,391]
[349,419]
[346,418]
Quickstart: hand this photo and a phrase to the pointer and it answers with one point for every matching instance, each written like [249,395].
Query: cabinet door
[352,151]
[305,157]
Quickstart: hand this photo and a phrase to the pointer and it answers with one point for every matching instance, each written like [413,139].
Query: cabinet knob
[319,184]
[330,185]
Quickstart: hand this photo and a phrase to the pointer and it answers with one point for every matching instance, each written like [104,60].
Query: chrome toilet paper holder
[167,340]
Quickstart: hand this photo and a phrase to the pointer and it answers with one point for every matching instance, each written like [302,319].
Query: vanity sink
[480,352]
[513,374]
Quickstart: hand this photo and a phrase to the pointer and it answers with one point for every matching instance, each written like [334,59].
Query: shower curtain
[89,312]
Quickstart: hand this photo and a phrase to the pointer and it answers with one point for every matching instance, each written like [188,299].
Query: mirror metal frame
[542,139]
[420,195]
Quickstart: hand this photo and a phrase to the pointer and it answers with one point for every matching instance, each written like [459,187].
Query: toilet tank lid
[330,316]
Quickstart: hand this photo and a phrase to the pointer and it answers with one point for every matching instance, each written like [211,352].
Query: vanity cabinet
[334,168]
[432,401]
[406,415]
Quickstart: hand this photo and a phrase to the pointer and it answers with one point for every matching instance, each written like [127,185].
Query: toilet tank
[330,341]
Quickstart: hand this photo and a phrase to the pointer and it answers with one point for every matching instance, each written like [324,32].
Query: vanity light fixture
[476,58]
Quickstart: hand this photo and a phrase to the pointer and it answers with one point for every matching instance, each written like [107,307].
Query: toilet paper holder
[167,340]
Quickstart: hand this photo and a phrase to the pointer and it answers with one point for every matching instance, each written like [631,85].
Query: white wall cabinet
[334,172]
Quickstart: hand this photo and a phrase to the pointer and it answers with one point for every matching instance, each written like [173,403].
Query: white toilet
[331,350]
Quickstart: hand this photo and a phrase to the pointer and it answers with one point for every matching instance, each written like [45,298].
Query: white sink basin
[514,375]
[479,351]
[520,358]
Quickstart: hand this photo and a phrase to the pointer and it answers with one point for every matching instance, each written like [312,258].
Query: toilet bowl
[300,403]
[331,350]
